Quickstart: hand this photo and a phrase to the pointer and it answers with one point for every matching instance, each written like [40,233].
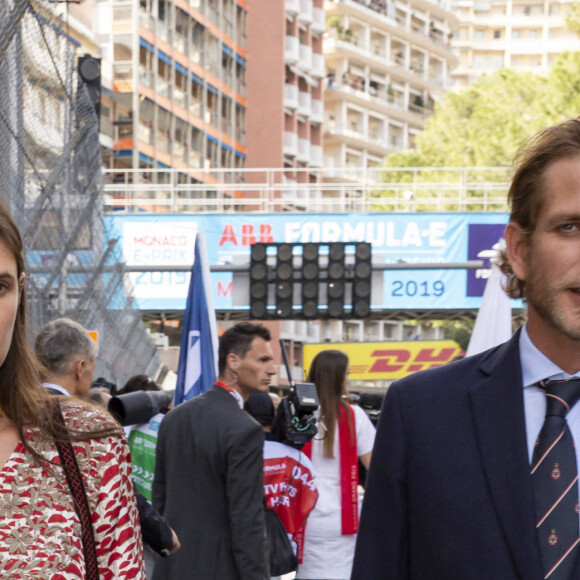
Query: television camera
[295,421]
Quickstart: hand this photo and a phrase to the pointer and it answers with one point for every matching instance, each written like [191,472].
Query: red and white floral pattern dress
[40,533]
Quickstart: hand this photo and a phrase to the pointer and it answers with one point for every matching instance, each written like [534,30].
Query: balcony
[163,87]
[290,143]
[180,43]
[318,25]
[146,77]
[292,7]
[306,11]
[305,60]
[179,151]
[292,50]
[162,141]
[303,150]
[178,97]
[377,136]
[304,104]
[316,159]
[317,111]
[145,133]
[195,107]
[318,69]
[290,96]
[289,188]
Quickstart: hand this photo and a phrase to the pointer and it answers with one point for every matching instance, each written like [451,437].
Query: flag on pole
[198,357]
[493,324]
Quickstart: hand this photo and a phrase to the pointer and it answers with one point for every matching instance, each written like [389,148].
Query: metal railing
[328,189]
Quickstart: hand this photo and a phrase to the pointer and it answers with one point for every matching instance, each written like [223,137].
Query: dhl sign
[388,360]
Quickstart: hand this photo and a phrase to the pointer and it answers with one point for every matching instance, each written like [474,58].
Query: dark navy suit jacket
[449,494]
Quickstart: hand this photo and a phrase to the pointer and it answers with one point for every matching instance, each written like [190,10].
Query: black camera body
[104,384]
[139,407]
[295,422]
[372,404]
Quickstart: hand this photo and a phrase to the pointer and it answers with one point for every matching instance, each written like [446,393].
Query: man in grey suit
[209,470]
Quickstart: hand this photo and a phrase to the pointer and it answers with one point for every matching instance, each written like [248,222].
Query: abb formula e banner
[388,360]
[150,240]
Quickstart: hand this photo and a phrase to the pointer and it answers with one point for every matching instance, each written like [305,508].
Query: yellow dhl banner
[388,360]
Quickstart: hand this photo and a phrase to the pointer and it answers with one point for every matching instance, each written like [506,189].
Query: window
[516,33]
[479,34]
[497,33]
[479,61]
[532,33]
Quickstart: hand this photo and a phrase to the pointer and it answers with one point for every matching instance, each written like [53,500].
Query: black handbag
[282,556]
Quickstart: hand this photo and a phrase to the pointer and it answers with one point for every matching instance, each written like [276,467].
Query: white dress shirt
[58,388]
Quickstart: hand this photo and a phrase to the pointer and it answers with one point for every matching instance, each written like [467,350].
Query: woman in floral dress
[40,531]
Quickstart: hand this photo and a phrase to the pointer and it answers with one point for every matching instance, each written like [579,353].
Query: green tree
[573,18]
[484,124]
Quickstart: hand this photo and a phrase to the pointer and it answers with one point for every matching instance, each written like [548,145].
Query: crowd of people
[473,474]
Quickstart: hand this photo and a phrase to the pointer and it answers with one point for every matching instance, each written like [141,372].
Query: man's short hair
[527,191]
[60,342]
[238,339]
[261,407]
[139,383]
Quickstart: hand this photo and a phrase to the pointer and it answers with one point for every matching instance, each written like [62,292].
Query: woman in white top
[345,434]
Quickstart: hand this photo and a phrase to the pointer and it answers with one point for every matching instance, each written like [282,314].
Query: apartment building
[387,63]
[179,81]
[520,34]
[285,73]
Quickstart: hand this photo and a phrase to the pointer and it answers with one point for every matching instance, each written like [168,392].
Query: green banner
[143,441]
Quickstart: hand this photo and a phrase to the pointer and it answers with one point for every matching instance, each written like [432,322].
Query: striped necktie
[555,481]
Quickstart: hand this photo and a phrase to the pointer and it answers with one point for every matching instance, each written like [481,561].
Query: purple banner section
[482,244]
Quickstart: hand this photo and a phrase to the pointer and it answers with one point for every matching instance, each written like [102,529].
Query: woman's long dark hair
[328,372]
[22,399]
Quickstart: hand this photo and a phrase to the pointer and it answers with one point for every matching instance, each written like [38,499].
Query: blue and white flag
[198,358]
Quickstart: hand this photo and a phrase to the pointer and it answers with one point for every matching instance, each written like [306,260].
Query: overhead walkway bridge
[328,190]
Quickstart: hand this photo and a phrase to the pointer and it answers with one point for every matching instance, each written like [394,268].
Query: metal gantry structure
[51,180]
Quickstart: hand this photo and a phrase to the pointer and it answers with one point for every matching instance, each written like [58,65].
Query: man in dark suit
[451,493]
[209,471]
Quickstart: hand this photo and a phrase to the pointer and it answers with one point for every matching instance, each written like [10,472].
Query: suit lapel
[498,414]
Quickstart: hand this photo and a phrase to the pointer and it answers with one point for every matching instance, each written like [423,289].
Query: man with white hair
[67,353]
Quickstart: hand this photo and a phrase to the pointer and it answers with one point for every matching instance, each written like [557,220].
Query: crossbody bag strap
[77,489]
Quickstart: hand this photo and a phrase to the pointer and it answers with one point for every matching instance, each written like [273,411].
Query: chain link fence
[51,179]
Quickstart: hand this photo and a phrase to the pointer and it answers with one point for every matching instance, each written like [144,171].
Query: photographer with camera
[289,481]
[140,406]
[345,434]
